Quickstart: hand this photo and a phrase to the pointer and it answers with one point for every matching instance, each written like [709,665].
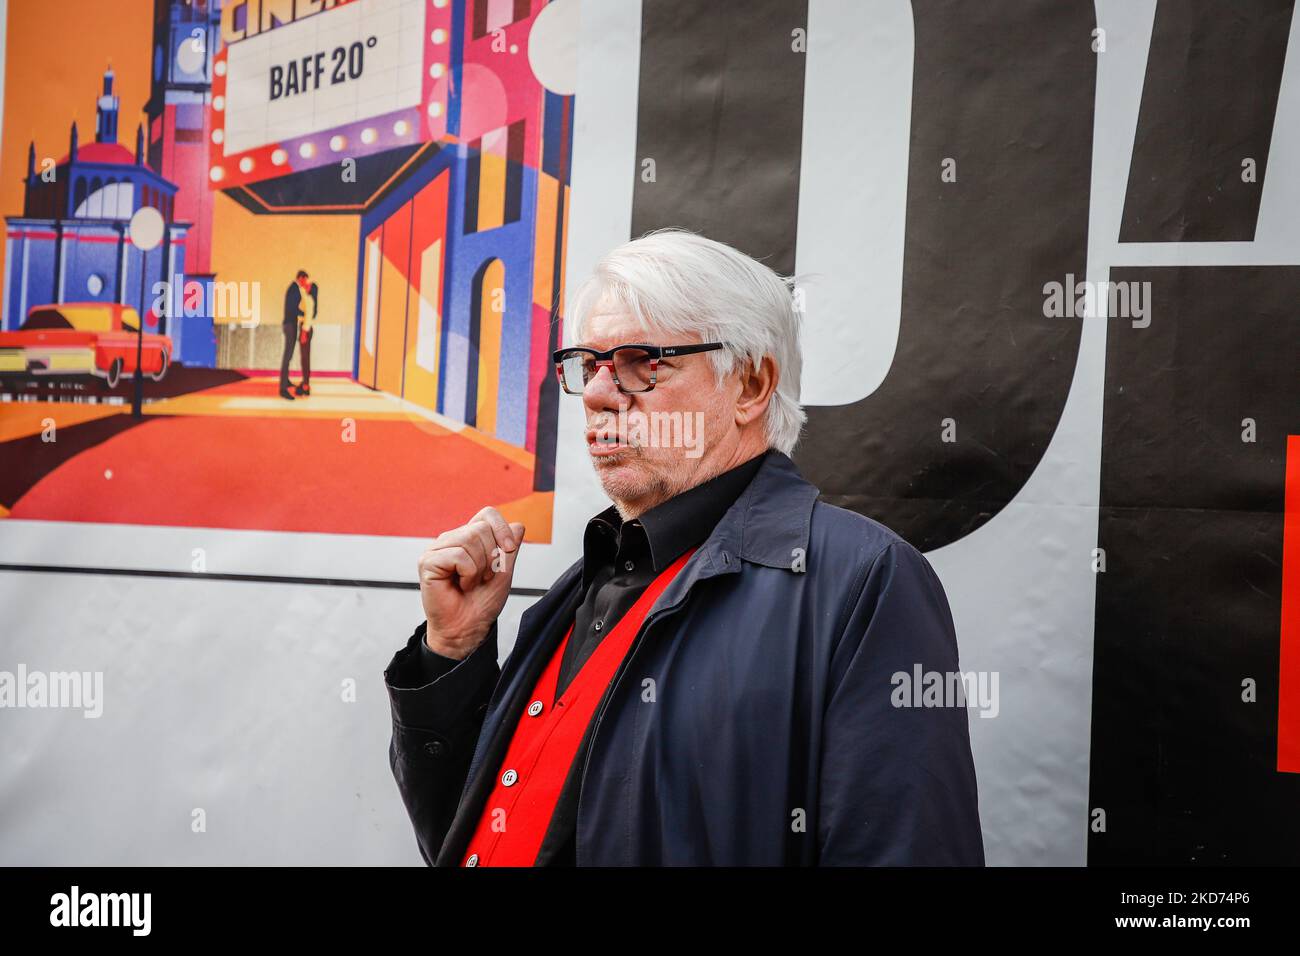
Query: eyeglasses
[634,367]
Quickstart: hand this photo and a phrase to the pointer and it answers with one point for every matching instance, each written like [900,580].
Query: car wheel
[166,363]
[114,373]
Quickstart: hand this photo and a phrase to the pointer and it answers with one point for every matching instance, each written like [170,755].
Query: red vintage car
[77,339]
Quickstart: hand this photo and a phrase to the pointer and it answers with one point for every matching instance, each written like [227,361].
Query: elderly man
[716,681]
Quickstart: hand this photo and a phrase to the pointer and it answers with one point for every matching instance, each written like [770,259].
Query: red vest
[546,739]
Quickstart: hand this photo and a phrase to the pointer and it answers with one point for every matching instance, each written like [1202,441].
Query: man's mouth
[603,442]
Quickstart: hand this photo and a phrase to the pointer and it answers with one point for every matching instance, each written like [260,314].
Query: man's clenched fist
[465,579]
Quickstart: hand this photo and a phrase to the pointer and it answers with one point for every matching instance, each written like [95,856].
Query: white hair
[675,281]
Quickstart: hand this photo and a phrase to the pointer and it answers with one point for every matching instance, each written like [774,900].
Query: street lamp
[145,232]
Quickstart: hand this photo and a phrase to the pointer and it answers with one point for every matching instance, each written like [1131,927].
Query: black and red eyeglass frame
[654,353]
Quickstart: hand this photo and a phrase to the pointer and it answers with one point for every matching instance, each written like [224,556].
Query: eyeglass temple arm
[608,355]
[689,349]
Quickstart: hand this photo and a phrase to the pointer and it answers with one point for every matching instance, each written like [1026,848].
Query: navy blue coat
[754,720]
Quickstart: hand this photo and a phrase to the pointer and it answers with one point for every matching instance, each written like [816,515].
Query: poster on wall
[284,266]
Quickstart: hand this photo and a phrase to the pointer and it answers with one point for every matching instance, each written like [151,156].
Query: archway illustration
[483,376]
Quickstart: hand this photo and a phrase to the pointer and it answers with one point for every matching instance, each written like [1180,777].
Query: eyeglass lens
[631,368]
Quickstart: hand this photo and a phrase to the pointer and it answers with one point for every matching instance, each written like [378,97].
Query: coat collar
[770,520]
[671,527]
[768,524]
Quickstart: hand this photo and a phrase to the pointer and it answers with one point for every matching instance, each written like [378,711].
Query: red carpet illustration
[283,475]
[235,456]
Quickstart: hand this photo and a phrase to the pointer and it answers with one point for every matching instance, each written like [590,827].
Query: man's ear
[757,385]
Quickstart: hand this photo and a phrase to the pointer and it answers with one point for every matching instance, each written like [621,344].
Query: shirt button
[473,860]
[434,748]
[508,778]
[628,565]
[598,625]
[535,708]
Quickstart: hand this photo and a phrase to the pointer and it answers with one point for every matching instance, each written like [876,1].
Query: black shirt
[619,561]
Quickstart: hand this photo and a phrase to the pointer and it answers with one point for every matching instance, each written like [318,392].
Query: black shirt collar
[668,529]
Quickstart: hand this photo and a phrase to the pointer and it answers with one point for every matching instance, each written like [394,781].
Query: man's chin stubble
[651,486]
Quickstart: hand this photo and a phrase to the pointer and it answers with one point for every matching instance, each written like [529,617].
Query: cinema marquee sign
[299,84]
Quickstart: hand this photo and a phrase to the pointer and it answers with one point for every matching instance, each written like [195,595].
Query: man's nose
[601,392]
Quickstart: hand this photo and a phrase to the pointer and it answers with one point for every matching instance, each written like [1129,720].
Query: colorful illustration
[364,213]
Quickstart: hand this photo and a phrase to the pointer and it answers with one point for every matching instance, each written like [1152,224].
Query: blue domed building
[72,243]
